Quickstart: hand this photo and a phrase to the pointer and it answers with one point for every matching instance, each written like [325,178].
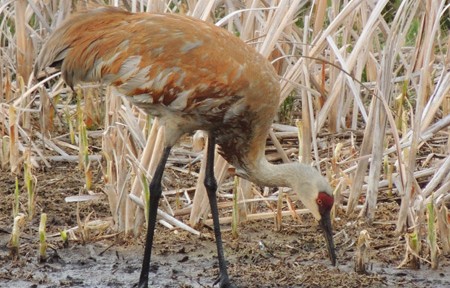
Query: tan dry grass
[345,65]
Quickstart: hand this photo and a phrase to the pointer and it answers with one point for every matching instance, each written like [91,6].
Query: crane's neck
[265,173]
[302,178]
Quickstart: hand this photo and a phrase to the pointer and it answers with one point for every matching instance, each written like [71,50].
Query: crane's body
[193,75]
[190,73]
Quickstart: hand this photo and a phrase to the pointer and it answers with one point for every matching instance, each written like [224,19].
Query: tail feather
[76,53]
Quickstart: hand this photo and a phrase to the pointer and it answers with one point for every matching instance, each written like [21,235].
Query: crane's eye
[325,201]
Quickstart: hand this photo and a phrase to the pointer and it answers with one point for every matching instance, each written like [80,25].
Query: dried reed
[342,63]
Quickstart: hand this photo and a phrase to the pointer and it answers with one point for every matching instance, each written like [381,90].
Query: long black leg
[155,194]
[211,188]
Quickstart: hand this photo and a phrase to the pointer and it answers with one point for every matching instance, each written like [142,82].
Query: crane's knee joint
[155,188]
[210,184]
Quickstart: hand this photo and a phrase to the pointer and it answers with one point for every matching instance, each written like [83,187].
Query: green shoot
[146,191]
[415,246]
[432,236]
[29,184]
[64,238]
[16,199]
[42,239]
[84,147]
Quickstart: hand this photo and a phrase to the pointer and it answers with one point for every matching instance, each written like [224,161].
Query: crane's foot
[224,282]
[227,285]
[141,285]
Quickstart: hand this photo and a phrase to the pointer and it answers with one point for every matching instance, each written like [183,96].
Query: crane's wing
[167,64]
[177,60]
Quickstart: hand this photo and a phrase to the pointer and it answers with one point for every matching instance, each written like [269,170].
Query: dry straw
[357,70]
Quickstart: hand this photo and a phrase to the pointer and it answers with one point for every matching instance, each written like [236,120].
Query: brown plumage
[164,64]
[193,75]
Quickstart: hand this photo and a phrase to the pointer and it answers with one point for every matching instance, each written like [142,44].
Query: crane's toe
[224,282]
[227,284]
[141,285]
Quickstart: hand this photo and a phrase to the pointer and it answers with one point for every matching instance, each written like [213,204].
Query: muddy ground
[260,257]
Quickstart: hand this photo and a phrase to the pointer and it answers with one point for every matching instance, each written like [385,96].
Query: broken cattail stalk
[389,178]
[46,112]
[432,237]
[444,229]
[4,152]
[13,145]
[291,208]
[399,111]
[387,172]
[83,144]
[165,216]
[19,221]
[362,255]
[68,120]
[412,251]
[278,146]
[25,115]
[29,184]
[258,216]
[79,223]
[338,198]
[16,199]
[177,223]
[42,239]
[24,47]
[84,154]
[87,171]
[93,228]
[93,113]
[235,213]
[335,158]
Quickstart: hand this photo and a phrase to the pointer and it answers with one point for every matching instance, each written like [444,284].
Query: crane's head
[317,195]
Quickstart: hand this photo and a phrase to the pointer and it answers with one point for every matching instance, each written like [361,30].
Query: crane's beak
[325,224]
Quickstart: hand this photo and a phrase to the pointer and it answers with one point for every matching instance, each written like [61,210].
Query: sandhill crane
[194,76]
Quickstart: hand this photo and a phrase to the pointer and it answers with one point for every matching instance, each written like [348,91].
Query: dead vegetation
[365,89]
